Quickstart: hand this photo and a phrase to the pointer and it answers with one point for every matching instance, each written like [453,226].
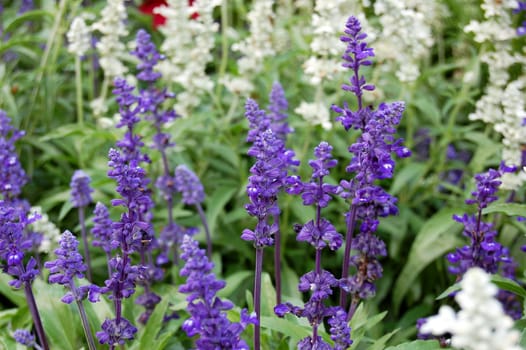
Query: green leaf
[406,176]
[20,20]
[511,209]
[268,295]
[233,282]
[509,285]
[417,345]
[148,335]
[380,343]
[448,291]
[286,327]
[15,296]
[436,237]
[66,130]
[215,205]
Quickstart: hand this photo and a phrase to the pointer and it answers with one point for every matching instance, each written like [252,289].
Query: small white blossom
[406,37]
[50,232]
[481,323]
[79,37]
[187,47]
[259,44]
[237,85]
[110,46]
[315,113]
[503,103]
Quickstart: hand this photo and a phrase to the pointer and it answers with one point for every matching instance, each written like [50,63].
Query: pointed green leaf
[436,237]
[510,209]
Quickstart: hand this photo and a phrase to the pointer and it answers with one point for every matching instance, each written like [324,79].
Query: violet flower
[103,233]
[208,311]
[24,337]
[278,124]
[483,249]
[81,197]
[14,219]
[320,233]
[12,175]
[192,191]
[150,101]
[521,7]
[68,266]
[268,177]
[372,161]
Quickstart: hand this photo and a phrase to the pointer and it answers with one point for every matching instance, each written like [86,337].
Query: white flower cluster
[48,229]
[406,38]
[189,38]
[504,102]
[259,44]
[79,37]
[481,324]
[315,113]
[326,47]
[110,46]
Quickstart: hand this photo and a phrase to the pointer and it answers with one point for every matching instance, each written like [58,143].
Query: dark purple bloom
[483,249]
[129,109]
[14,244]
[102,229]
[340,330]
[147,53]
[207,311]
[189,185]
[69,263]
[372,161]
[12,175]
[80,189]
[24,337]
[277,112]
[116,332]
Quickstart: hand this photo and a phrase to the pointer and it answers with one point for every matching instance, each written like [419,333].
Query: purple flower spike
[189,185]
[69,263]
[340,330]
[372,161]
[207,311]
[147,53]
[102,229]
[116,332]
[80,189]
[12,175]
[483,249]
[24,337]
[277,112]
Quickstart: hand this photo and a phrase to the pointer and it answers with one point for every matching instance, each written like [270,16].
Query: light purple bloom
[189,185]
[80,189]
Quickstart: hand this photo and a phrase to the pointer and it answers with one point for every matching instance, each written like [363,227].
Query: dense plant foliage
[264,174]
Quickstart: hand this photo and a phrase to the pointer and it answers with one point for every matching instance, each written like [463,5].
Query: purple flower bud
[80,189]
[24,337]
[146,52]
[189,185]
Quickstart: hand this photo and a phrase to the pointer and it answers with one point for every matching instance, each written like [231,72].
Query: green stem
[78,86]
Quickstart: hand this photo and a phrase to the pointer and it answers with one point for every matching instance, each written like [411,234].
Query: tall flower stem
[204,221]
[85,324]
[257,297]
[85,242]
[78,85]
[351,223]
[32,304]
[277,259]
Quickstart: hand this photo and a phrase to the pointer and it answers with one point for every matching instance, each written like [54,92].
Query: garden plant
[262,174]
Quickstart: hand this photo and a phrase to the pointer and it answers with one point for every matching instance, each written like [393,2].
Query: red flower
[148,6]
